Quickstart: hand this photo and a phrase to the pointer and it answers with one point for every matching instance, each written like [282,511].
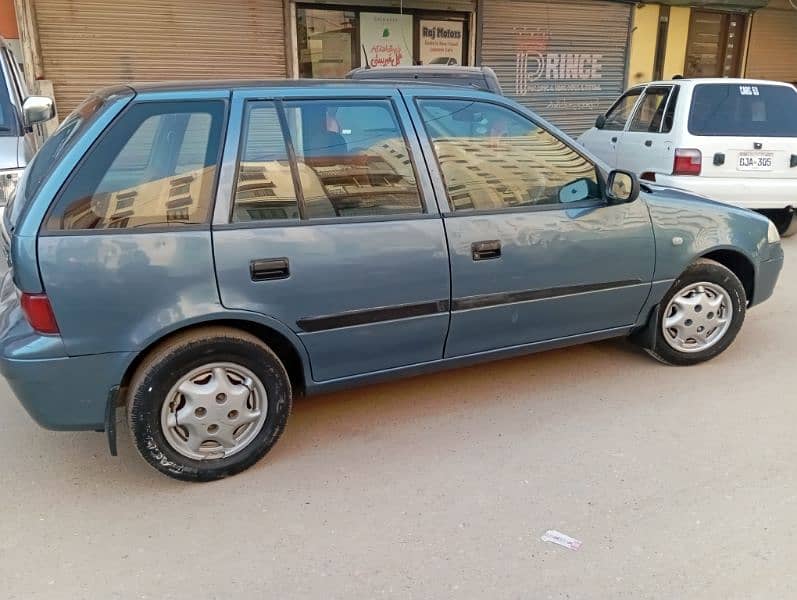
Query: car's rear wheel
[208,404]
[700,315]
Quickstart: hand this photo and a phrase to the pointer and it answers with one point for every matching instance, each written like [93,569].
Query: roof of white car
[716,80]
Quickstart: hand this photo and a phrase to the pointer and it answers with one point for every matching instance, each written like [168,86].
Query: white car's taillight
[688,161]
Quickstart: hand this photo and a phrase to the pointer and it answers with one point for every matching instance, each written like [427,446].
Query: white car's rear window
[733,109]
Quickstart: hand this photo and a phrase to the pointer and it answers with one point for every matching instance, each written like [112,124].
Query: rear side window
[352,159]
[618,114]
[650,112]
[154,167]
[669,113]
[743,110]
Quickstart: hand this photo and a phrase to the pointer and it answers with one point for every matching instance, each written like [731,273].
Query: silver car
[18,113]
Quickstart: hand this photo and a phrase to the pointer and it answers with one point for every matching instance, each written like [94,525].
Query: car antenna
[367,61]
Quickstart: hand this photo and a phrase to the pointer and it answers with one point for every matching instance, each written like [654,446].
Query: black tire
[165,366]
[702,270]
[783,219]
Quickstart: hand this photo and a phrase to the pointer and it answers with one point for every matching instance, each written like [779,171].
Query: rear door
[646,145]
[745,130]
[328,226]
[603,142]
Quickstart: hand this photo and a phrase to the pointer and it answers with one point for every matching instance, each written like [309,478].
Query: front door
[536,252]
[330,233]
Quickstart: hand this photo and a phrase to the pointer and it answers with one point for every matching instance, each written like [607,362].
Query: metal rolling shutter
[773,45]
[566,60]
[89,44]
[441,5]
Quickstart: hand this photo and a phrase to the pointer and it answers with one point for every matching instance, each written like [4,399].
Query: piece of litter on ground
[557,537]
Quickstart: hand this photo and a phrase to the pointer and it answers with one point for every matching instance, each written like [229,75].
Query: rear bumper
[59,391]
[67,394]
[750,193]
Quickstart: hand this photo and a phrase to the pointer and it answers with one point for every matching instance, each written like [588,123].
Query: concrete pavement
[680,483]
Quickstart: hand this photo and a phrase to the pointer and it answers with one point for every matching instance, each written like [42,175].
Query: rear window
[744,110]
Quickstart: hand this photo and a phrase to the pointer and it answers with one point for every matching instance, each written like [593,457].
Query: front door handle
[485,250]
[266,269]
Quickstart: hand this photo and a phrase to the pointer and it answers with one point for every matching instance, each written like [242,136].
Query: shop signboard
[441,42]
[386,39]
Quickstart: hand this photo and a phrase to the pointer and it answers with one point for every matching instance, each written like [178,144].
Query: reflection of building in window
[153,202]
[377,180]
[486,173]
[265,192]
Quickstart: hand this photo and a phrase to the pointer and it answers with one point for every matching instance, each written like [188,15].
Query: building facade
[566,59]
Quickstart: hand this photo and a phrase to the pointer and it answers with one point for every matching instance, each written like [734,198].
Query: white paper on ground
[557,537]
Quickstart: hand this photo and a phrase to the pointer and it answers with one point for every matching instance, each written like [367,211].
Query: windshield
[51,153]
[744,110]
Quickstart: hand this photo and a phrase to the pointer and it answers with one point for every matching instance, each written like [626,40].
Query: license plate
[755,161]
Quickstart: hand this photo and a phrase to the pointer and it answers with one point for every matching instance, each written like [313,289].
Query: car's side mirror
[622,187]
[600,122]
[38,109]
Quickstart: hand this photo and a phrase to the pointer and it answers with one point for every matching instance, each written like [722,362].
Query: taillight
[688,161]
[39,312]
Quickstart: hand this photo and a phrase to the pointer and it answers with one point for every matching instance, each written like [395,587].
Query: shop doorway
[714,47]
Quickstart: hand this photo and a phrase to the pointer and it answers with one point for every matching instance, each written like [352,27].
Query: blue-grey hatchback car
[200,253]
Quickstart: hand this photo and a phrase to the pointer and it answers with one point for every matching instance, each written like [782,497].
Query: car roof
[243,84]
[447,70]
[714,81]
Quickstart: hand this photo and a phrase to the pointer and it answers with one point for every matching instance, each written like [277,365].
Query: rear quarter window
[743,110]
[154,167]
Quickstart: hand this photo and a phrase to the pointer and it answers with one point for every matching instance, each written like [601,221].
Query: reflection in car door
[536,253]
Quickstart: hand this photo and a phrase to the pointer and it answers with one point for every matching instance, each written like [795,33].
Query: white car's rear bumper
[748,193]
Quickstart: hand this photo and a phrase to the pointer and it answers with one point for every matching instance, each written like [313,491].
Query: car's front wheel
[700,315]
[208,403]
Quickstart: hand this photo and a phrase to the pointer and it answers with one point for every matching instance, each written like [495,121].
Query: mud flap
[645,336]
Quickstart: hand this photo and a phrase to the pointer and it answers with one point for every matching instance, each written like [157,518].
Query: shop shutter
[88,44]
[441,5]
[566,60]
[773,44]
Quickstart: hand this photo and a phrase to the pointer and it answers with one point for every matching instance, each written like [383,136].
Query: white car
[732,140]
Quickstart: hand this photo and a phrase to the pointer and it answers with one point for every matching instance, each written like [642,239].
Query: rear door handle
[614,140]
[648,143]
[266,269]
[485,250]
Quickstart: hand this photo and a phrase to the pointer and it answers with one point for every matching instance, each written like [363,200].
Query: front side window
[650,112]
[154,167]
[733,109]
[618,114]
[352,159]
[494,158]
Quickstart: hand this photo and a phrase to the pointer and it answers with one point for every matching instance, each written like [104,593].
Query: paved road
[680,483]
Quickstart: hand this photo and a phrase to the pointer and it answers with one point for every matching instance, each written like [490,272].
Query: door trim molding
[372,315]
[487,300]
[421,309]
